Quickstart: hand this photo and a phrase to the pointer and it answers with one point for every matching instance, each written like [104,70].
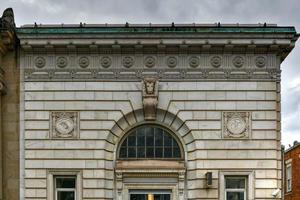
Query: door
[150,195]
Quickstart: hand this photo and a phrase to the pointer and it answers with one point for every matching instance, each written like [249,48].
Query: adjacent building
[292,172]
[9,99]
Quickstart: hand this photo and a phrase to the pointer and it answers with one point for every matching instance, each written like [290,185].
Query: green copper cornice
[120,30]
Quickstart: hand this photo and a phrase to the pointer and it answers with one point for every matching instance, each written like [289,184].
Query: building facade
[141,111]
[151,111]
[292,174]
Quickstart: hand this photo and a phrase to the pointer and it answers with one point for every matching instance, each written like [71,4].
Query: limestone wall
[194,112]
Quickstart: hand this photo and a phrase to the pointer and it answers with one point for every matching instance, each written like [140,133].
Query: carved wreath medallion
[64,125]
[128,61]
[172,61]
[149,61]
[236,124]
[260,61]
[83,62]
[238,61]
[105,61]
[194,61]
[61,62]
[216,61]
[40,62]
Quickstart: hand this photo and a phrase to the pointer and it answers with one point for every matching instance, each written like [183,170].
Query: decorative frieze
[168,67]
[236,124]
[64,125]
[104,61]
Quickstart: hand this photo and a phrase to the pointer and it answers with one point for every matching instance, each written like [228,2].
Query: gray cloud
[200,11]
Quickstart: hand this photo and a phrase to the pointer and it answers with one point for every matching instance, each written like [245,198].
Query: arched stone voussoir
[163,118]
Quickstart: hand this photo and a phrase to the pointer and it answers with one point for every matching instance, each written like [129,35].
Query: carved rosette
[171,61]
[260,61]
[105,61]
[40,62]
[64,125]
[128,61]
[150,97]
[194,61]
[61,62]
[83,62]
[149,61]
[236,124]
[216,61]
[238,61]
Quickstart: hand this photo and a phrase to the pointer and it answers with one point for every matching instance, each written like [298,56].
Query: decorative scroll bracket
[150,97]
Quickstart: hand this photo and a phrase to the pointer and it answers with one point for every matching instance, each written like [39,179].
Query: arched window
[149,142]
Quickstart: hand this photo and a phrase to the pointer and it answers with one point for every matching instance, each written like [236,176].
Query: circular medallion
[172,61]
[238,61]
[194,61]
[64,127]
[61,62]
[216,61]
[105,61]
[128,61]
[236,125]
[40,62]
[260,61]
[83,62]
[149,61]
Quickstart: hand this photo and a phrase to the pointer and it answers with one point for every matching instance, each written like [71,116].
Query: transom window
[149,142]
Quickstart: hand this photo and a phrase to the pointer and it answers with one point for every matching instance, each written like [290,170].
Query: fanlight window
[149,142]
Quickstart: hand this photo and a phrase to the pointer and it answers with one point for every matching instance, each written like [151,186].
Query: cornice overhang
[279,43]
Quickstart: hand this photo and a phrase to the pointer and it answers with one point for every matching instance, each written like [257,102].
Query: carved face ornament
[150,87]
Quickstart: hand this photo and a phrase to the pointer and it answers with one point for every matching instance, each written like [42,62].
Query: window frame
[168,131]
[51,182]
[249,187]
[287,179]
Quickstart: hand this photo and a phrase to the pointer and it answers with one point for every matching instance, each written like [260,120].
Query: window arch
[149,142]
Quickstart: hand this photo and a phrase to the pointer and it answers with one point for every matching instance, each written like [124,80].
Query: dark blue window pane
[123,152]
[65,182]
[235,196]
[141,139]
[141,152]
[132,152]
[167,139]
[150,152]
[158,137]
[168,152]
[176,152]
[149,136]
[158,152]
[132,140]
[65,195]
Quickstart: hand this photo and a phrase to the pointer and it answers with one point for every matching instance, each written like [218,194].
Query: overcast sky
[281,12]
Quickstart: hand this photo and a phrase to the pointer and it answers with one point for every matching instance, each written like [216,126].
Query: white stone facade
[224,108]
